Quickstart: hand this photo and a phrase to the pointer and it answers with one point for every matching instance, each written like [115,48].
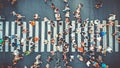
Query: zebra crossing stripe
[1,28]
[110,37]
[104,37]
[92,28]
[30,35]
[97,35]
[6,34]
[73,28]
[67,36]
[12,33]
[19,36]
[24,37]
[1,34]
[42,36]
[54,34]
[37,35]
[79,35]
[61,31]
[86,31]
[116,41]
[49,36]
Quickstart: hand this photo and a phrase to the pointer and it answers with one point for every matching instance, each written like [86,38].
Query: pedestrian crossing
[42,28]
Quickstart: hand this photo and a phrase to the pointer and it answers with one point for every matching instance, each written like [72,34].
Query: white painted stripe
[1,28]
[42,36]
[1,34]
[79,35]
[54,35]
[98,35]
[67,36]
[104,37]
[24,36]
[116,41]
[12,33]
[61,32]
[6,34]
[73,28]
[110,37]
[30,35]
[86,31]
[19,35]
[37,35]
[92,34]
[48,36]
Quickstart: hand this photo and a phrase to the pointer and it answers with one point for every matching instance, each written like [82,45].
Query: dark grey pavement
[112,60]
[29,7]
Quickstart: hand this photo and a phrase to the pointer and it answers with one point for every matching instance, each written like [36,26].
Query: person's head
[52,4]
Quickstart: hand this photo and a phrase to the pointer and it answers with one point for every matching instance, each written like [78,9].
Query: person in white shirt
[16,52]
[45,19]
[112,17]
[97,21]
[67,14]
[47,65]
[117,25]
[67,8]
[19,16]
[25,66]
[99,38]
[109,49]
[38,57]
[57,16]
[88,63]
[65,1]
[13,13]
[36,16]
[71,57]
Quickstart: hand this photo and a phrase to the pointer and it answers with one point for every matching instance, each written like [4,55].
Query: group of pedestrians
[88,52]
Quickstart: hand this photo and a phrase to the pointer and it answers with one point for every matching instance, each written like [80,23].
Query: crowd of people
[90,54]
